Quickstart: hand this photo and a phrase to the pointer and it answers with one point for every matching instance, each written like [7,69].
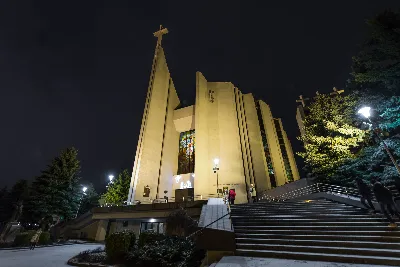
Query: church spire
[159,34]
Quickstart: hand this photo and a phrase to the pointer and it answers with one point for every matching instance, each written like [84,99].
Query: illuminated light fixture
[216,161]
[84,189]
[152,220]
[111,177]
[365,111]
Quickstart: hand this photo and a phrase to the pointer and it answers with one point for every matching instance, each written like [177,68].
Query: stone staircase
[314,230]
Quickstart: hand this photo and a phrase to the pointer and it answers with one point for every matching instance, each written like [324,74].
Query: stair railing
[312,189]
[204,227]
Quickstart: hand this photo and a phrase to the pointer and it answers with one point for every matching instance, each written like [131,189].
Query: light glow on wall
[184,185]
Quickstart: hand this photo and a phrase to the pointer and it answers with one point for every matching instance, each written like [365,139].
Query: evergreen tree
[330,137]
[19,192]
[90,199]
[5,205]
[57,190]
[118,190]
[377,65]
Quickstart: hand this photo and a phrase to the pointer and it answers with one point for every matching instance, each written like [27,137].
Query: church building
[226,140]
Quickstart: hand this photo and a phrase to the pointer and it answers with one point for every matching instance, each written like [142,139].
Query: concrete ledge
[216,240]
[74,262]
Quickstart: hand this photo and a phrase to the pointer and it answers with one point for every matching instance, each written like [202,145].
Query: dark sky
[76,74]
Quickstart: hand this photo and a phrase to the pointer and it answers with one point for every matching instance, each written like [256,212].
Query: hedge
[24,239]
[149,237]
[118,244]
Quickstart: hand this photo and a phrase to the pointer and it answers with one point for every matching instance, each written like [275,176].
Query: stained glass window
[285,156]
[267,153]
[186,152]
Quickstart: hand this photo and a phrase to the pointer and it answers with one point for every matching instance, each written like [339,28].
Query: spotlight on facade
[365,111]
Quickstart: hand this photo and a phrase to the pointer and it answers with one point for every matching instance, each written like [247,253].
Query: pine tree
[330,137]
[377,65]
[57,190]
[90,199]
[118,190]
[5,205]
[19,192]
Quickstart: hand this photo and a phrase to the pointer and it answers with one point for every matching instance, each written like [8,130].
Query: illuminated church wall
[177,146]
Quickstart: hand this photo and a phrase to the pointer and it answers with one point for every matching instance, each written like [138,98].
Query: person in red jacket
[232,195]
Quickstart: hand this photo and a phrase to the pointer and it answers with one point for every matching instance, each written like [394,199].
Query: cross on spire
[302,100]
[159,34]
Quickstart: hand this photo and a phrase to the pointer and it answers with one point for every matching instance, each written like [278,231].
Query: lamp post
[216,169]
[366,112]
[111,177]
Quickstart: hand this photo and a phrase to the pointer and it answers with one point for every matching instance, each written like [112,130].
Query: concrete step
[322,211]
[383,227]
[319,232]
[281,207]
[339,217]
[392,261]
[323,249]
[284,205]
[311,222]
[313,242]
[372,238]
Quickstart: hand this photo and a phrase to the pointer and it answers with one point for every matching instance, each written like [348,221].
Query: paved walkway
[215,209]
[47,256]
[236,261]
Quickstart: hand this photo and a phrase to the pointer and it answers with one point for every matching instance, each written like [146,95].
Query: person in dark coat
[385,198]
[365,193]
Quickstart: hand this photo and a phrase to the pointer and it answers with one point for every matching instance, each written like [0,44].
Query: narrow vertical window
[186,155]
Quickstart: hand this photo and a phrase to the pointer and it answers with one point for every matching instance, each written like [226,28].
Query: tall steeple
[135,174]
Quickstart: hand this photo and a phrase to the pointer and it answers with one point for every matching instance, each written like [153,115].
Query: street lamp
[366,112]
[111,177]
[84,189]
[216,169]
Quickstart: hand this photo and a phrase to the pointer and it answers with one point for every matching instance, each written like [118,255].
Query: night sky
[76,74]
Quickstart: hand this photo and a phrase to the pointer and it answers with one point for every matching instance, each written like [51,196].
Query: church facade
[226,140]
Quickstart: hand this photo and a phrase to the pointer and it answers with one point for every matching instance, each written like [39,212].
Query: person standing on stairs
[385,198]
[253,193]
[365,193]
[232,195]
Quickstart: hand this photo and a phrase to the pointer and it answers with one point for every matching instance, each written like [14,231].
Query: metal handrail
[204,227]
[311,189]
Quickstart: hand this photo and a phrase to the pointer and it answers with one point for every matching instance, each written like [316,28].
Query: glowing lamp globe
[365,111]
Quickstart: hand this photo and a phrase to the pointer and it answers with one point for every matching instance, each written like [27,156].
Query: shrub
[23,239]
[119,244]
[170,252]
[44,238]
[92,256]
[180,223]
[149,237]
